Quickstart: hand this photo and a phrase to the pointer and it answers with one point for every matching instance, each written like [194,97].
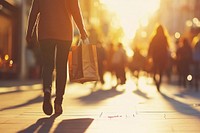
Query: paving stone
[143,110]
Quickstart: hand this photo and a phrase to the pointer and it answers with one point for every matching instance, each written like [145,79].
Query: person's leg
[123,76]
[117,73]
[159,80]
[185,74]
[101,73]
[156,76]
[47,53]
[63,48]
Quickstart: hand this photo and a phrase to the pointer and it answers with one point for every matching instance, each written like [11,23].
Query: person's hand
[29,39]
[86,41]
[84,35]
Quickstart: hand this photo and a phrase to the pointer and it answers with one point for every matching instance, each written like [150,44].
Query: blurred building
[10,39]
[177,15]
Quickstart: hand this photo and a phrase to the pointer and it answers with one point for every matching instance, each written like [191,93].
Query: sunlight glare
[132,14]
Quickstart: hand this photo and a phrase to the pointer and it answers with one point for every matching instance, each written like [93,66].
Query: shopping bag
[83,65]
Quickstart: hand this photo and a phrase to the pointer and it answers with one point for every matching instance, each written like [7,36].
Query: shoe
[58,109]
[47,106]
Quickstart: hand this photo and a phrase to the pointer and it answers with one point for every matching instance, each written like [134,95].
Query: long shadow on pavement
[35,100]
[43,125]
[18,90]
[188,92]
[99,95]
[140,93]
[15,83]
[182,107]
[74,125]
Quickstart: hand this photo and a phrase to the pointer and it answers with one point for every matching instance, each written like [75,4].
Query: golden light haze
[131,14]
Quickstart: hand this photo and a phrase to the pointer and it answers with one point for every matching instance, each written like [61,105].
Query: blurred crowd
[159,61]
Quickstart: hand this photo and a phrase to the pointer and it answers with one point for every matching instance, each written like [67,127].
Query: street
[103,109]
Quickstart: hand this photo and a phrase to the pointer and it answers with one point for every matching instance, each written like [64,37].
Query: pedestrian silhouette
[101,55]
[119,61]
[109,55]
[54,23]
[183,60]
[196,59]
[137,63]
[158,52]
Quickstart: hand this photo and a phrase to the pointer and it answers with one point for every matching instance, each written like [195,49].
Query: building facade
[10,29]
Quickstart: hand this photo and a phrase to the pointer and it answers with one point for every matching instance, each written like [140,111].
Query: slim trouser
[55,55]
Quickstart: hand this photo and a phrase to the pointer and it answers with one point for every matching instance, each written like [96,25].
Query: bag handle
[85,41]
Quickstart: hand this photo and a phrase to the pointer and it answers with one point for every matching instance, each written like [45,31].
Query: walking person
[196,59]
[184,60]
[158,51]
[119,62]
[101,56]
[109,55]
[54,20]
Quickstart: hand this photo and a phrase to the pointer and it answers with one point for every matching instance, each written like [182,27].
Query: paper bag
[83,65]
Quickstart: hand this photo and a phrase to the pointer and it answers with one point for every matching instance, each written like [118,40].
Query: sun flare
[132,14]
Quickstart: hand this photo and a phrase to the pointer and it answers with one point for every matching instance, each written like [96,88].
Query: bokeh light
[189,77]
[177,35]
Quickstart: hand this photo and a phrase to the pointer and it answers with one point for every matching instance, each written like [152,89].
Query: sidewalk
[129,109]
